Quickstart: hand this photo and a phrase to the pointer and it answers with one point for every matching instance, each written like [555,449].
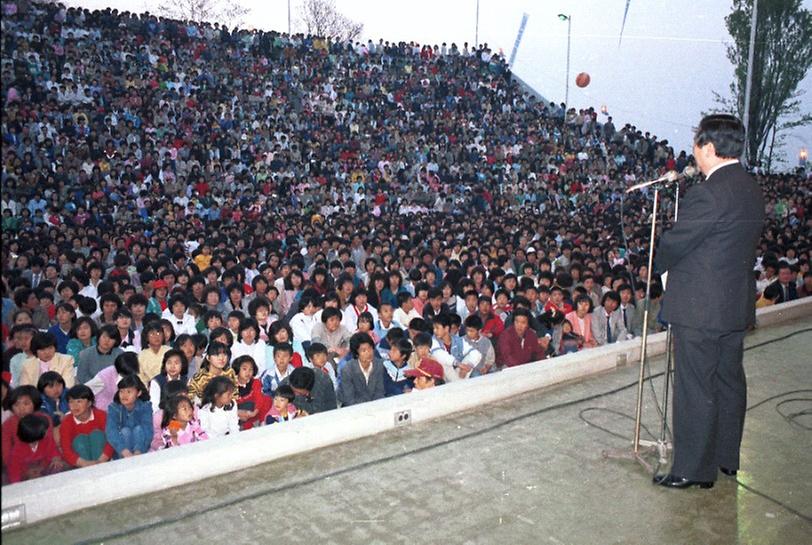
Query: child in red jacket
[84,442]
[21,402]
[252,405]
[35,454]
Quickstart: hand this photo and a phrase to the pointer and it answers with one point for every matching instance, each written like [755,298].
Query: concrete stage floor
[496,476]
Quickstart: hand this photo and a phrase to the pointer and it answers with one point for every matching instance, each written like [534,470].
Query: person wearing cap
[158,302]
[427,374]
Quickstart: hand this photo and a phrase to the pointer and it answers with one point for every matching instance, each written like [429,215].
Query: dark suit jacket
[791,289]
[322,397]
[710,253]
[354,388]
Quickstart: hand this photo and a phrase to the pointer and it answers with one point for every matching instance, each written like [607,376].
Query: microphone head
[690,171]
[671,176]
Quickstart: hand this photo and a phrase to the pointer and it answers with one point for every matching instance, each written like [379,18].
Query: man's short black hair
[302,378]
[32,428]
[724,131]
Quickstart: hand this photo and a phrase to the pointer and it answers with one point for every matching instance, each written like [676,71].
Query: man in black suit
[709,255]
[786,283]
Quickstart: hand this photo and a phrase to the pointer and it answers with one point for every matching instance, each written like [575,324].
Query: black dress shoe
[673,481]
[728,472]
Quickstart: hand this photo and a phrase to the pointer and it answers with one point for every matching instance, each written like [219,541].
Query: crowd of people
[208,230]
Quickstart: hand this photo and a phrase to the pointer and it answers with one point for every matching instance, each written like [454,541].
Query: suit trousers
[710,400]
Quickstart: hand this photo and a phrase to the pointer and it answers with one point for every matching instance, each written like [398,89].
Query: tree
[230,13]
[322,18]
[782,57]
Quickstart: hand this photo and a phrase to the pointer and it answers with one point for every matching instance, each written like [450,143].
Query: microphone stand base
[642,455]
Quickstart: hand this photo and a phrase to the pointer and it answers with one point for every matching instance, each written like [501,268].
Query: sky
[661,77]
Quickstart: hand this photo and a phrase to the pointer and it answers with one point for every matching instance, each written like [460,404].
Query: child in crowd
[362,377]
[179,424]
[82,433]
[51,387]
[260,310]
[21,401]
[252,404]
[46,358]
[250,344]
[188,346]
[214,365]
[395,380]
[570,341]
[283,409]
[22,335]
[366,324]
[281,332]
[173,388]
[129,418]
[235,318]
[281,369]
[332,334]
[103,354]
[422,349]
[175,367]
[153,348]
[105,383]
[82,335]
[405,312]
[317,359]
[218,413]
[481,343]
[35,453]
[428,374]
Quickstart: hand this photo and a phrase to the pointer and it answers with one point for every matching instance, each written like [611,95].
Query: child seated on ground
[252,405]
[218,414]
[21,401]
[129,418]
[179,425]
[82,433]
[283,409]
[173,388]
[35,454]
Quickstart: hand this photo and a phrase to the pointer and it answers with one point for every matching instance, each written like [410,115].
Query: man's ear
[708,150]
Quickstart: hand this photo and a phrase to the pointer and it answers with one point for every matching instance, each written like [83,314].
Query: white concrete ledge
[785,312]
[63,493]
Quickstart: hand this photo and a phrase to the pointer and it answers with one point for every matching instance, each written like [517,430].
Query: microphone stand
[641,446]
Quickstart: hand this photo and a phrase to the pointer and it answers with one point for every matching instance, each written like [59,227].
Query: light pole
[568,19]
[476,30]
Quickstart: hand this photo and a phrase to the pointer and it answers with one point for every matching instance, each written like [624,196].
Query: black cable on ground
[790,418]
[426,448]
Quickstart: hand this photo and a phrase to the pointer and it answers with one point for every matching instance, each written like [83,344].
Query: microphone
[668,177]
